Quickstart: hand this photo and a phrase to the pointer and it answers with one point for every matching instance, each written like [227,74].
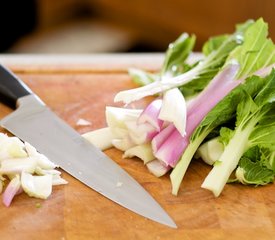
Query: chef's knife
[35,123]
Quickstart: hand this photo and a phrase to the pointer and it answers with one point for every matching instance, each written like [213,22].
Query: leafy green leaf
[264,133]
[267,93]
[141,77]
[254,172]
[177,53]
[245,109]
[214,43]
[256,52]
[225,110]
[226,134]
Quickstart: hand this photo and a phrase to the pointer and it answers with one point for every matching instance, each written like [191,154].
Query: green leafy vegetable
[255,126]
[176,55]
[256,167]
[225,110]
[257,51]
[203,72]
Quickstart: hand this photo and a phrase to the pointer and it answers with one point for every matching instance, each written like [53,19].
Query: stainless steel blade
[35,123]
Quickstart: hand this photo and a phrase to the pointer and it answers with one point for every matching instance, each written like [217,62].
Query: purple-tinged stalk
[151,114]
[11,190]
[141,133]
[160,138]
[172,148]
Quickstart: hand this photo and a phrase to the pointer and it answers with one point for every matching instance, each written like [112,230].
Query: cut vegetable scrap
[28,170]
[83,122]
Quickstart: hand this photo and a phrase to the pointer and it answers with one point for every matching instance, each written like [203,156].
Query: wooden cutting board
[81,87]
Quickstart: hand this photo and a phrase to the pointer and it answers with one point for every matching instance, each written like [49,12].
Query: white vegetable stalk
[157,168]
[144,152]
[210,151]
[179,171]
[219,175]
[116,117]
[165,84]
[17,165]
[123,144]
[101,138]
[174,109]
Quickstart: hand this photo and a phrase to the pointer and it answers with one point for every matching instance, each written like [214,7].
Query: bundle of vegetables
[25,170]
[196,101]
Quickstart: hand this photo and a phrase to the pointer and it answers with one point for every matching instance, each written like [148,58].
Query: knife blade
[34,122]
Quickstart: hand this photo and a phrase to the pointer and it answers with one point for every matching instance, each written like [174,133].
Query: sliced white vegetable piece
[11,147]
[144,152]
[101,138]
[37,186]
[42,160]
[119,132]
[17,165]
[123,144]
[174,109]
[157,168]
[16,148]
[40,171]
[116,117]
[57,180]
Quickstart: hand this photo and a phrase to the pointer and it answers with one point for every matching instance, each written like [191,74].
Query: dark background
[87,26]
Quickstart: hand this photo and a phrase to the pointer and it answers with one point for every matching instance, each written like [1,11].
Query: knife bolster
[11,88]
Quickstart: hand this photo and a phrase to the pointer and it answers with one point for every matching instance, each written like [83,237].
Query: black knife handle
[11,88]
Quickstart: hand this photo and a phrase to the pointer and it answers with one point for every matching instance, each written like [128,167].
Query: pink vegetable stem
[151,113]
[11,190]
[170,150]
[160,138]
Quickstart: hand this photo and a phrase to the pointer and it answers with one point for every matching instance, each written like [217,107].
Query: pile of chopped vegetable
[23,169]
[220,109]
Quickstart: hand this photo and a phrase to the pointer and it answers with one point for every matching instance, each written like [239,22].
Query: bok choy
[200,100]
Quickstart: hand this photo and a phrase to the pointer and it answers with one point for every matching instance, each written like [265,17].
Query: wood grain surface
[76,212]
